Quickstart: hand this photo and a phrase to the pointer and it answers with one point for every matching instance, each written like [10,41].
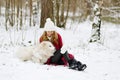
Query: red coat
[59,46]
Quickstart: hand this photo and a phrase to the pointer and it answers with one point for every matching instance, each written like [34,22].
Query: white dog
[39,53]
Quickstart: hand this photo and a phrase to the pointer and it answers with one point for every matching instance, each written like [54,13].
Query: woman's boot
[81,67]
[74,64]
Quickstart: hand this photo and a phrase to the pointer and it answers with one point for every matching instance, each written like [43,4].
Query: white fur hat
[49,25]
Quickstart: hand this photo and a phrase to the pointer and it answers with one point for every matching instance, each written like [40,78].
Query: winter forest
[23,14]
[89,28]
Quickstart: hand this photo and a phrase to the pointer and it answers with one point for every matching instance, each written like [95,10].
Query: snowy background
[102,59]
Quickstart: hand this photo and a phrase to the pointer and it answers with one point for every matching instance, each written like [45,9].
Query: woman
[61,56]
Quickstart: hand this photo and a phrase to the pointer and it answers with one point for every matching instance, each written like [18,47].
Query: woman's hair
[54,37]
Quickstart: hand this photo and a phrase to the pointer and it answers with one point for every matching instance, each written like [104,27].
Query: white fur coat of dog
[39,53]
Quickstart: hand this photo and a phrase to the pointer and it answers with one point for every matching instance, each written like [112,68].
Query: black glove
[57,56]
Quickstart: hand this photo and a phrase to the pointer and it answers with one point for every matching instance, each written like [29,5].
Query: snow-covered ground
[103,60]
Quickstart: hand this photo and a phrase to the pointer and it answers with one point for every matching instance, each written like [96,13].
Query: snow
[103,60]
[95,7]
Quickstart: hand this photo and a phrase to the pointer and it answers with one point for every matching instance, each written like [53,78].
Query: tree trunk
[95,37]
[30,13]
[74,9]
[0,8]
[46,11]
[68,8]
[62,18]
[14,12]
[18,13]
[21,14]
[11,20]
[57,12]
[26,10]
[7,11]
[35,12]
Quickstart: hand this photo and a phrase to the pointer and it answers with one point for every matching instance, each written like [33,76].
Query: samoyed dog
[39,53]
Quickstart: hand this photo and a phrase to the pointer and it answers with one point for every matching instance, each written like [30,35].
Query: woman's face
[49,33]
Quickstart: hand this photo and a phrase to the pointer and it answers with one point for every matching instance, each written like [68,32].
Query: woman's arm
[60,41]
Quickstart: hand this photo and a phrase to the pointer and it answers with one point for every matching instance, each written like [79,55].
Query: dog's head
[45,50]
[46,45]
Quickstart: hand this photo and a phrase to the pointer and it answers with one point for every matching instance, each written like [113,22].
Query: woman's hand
[56,57]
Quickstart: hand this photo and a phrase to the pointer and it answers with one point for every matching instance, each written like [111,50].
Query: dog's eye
[50,46]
